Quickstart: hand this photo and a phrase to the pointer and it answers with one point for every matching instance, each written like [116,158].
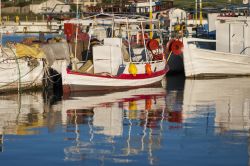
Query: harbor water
[19,37]
[186,122]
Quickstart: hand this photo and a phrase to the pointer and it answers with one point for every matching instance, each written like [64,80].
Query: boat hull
[30,75]
[175,64]
[75,81]
[209,63]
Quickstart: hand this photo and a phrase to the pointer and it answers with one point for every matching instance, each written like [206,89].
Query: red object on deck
[68,30]
[152,44]
[154,47]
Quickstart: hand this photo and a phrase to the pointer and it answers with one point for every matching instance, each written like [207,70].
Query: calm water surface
[18,37]
[196,122]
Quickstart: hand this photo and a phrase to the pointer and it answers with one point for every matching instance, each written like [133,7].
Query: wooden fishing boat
[127,58]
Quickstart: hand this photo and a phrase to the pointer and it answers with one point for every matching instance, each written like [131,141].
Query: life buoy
[177,47]
[154,47]
[174,45]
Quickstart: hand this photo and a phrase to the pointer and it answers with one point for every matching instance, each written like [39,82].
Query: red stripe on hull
[122,76]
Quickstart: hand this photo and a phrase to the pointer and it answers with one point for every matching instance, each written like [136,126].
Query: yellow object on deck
[132,69]
[29,51]
[177,27]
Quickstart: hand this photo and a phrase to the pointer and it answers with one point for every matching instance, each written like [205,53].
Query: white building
[48,6]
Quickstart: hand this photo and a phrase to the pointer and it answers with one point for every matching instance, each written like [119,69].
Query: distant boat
[8,30]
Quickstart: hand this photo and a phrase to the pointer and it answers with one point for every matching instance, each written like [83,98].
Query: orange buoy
[148,69]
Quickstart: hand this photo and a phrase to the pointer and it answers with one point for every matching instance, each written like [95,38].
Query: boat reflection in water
[23,114]
[19,113]
[223,107]
[120,124]
[229,98]
[201,122]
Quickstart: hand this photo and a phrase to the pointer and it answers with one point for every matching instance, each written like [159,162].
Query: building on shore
[130,6]
[50,6]
[55,6]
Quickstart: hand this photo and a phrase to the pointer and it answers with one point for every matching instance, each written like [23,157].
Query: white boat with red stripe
[128,58]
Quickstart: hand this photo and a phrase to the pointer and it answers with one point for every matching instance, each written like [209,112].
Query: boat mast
[128,33]
[200,12]
[151,17]
[1,37]
[77,8]
[196,14]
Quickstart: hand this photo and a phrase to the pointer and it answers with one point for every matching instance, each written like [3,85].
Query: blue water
[18,37]
[188,122]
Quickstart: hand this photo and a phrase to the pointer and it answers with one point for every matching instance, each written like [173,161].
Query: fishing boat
[210,63]
[21,67]
[126,57]
[228,55]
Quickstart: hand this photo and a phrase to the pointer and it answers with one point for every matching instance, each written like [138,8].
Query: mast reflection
[115,125]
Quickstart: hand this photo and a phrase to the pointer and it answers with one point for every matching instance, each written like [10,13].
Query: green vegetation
[190,4]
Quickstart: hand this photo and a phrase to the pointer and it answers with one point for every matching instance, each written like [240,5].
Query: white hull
[202,62]
[24,75]
[29,77]
[79,82]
